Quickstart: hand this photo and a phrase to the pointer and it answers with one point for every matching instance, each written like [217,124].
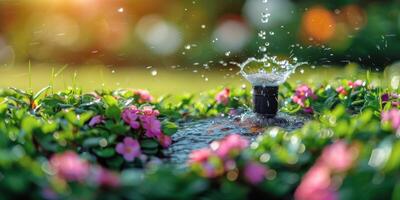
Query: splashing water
[267,71]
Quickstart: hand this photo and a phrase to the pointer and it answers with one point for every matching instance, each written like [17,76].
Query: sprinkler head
[265,100]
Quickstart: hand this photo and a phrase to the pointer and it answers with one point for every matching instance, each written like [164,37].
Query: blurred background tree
[198,32]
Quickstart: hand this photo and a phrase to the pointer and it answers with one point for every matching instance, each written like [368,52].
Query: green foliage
[33,127]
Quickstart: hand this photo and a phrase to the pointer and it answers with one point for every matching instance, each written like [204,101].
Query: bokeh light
[232,34]
[318,24]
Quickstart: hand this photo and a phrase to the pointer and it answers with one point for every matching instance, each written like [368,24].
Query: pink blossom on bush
[98,119]
[129,148]
[69,166]
[231,144]
[164,140]
[152,126]
[144,96]
[254,173]
[106,178]
[388,97]
[356,83]
[303,92]
[339,157]
[223,97]
[316,185]
[149,111]
[341,90]
[130,116]
[317,182]
[200,155]
[393,117]
[308,110]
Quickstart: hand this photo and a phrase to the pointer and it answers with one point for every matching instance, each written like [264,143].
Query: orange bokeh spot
[353,15]
[318,24]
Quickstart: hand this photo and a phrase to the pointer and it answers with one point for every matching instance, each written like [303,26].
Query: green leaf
[105,153]
[49,127]
[110,100]
[169,128]
[149,144]
[21,92]
[113,112]
[91,142]
[29,123]
[40,92]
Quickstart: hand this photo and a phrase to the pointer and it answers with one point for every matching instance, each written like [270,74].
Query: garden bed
[337,140]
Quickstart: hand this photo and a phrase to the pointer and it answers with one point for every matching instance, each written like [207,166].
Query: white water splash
[267,71]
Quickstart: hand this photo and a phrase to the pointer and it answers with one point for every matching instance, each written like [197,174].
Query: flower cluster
[319,183]
[141,119]
[147,119]
[302,97]
[144,96]
[221,157]
[129,148]
[70,167]
[391,97]
[344,90]
[223,97]
[392,117]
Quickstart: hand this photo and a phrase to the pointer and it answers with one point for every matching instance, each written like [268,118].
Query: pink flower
[303,92]
[106,178]
[200,155]
[152,126]
[223,97]
[339,157]
[393,117]
[69,166]
[148,111]
[341,90]
[130,116]
[98,119]
[298,100]
[164,140]
[355,84]
[232,144]
[144,96]
[254,173]
[308,110]
[390,97]
[130,148]
[316,185]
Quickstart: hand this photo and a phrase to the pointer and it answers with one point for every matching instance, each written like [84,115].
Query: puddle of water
[199,134]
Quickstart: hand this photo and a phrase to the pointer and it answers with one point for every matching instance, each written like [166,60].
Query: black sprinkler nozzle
[265,99]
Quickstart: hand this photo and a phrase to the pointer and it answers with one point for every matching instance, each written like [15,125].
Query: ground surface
[199,134]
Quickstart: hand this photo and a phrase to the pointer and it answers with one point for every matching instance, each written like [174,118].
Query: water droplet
[187,47]
[203,26]
[302,71]
[262,48]
[120,10]
[264,20]
[227,53]
[154,72]
[149,67]
[271,33]
[113,71]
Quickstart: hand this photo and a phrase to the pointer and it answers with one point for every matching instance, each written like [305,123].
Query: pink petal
[120,148]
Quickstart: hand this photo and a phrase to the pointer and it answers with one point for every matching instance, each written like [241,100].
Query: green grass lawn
[167,80]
